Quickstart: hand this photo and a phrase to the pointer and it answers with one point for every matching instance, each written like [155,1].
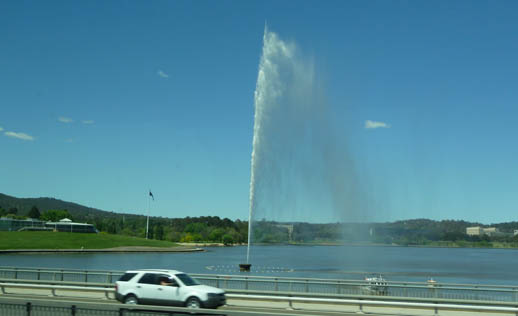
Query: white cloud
[374,124]
[162,74]
[22,136]
[88,122]
[69,140]
[63,119]
[1,128]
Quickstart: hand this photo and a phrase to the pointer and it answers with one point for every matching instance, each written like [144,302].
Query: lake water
[452,265]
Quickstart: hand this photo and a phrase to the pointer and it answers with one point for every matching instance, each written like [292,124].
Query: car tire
[193,302]
[131,300]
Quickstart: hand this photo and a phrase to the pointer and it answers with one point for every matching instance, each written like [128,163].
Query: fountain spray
[280,75]
[300,167]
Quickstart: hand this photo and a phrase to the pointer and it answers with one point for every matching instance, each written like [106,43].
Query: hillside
[79,212]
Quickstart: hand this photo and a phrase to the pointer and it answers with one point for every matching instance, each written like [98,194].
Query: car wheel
[131,299]
[193,302]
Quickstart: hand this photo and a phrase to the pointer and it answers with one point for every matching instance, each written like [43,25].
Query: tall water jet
[299,170]
[282,84]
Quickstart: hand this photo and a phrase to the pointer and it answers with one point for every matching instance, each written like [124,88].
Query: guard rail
[290,300]
[474,292]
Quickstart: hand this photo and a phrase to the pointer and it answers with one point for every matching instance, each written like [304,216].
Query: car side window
[166,280]
[148,278]
[127,276]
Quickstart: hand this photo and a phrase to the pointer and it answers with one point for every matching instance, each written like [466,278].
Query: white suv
[166,287]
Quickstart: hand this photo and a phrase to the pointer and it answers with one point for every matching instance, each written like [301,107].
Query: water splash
[299,170]
[281,83]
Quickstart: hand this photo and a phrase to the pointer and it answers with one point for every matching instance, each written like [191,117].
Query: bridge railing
[33,306]
[355,287]
[38,307]
[473,292]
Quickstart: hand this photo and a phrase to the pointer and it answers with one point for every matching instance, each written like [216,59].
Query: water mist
[300,170]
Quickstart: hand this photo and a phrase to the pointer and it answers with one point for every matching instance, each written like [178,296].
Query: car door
[183,291]
[169,292]
[148,289]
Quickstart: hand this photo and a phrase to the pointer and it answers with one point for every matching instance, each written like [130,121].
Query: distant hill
[78,212]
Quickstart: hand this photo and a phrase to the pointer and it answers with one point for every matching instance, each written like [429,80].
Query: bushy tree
[216,234]
[55,215]
[34,213]
[159,232]
[174,236]
[228,240]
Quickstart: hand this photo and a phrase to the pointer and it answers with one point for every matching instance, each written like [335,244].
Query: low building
[481,231]
[64,225]
[475,231]
[9,224]
[491,231]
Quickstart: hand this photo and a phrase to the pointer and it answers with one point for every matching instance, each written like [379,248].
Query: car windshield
[187,280]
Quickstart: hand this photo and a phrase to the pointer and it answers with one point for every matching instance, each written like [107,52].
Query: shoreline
[199,247]
[132,249]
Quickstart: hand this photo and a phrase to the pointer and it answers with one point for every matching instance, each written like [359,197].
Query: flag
[151,195]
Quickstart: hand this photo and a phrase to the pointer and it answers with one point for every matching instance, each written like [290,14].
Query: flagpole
[147,221]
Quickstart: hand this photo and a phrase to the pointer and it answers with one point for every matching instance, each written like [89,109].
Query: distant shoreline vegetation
[214,230]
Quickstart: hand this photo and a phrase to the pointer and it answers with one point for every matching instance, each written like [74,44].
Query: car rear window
[127,276]
[149,278]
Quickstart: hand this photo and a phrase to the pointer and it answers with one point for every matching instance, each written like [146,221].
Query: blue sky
[101,101]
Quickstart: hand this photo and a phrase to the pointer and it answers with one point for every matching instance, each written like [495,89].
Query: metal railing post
[360,309]
[39,270]
[29,308]
[86,276]
[73,310]
[246,283]
[307,286]
[276,285]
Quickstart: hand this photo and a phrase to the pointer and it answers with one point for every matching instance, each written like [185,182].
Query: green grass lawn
[60,240]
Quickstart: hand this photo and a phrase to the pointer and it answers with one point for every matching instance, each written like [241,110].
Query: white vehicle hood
[206,289]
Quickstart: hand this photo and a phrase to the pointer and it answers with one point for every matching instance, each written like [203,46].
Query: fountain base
[244,267]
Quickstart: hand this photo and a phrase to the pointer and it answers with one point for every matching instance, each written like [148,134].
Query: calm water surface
[482,266]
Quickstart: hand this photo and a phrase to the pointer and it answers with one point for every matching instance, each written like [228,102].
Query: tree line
[188,229]
[217,230]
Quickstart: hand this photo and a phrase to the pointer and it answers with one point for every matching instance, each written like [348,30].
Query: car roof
[154,271]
